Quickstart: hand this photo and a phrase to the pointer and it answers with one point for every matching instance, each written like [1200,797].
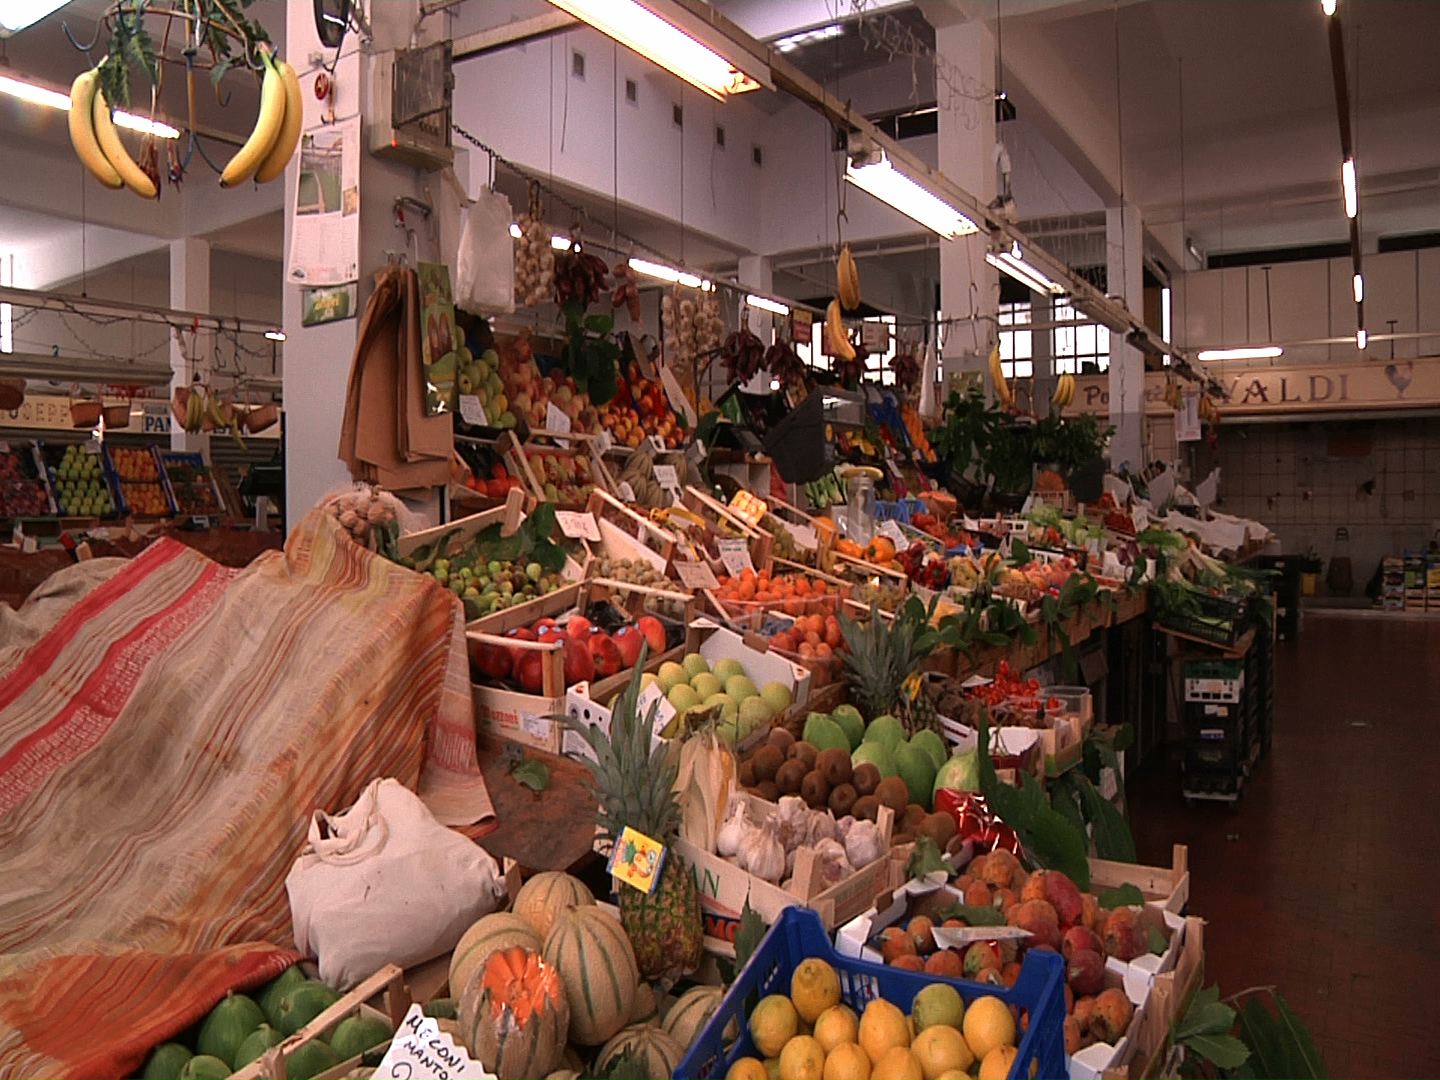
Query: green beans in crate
[799,934]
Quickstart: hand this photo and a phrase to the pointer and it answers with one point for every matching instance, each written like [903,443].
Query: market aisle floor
[1324,880]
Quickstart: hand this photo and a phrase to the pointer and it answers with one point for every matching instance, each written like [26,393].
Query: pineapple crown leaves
[879,658]
[634,784]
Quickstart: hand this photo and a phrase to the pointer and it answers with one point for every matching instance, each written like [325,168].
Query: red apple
[530,671]
[578,627]
[579,664]
[606,655]
[654,631]
[629,640]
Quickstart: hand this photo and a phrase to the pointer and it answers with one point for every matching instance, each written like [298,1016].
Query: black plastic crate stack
[1218,729]
[1260,690]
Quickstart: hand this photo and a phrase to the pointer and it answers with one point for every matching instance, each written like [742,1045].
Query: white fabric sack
[385,883]
[485,264]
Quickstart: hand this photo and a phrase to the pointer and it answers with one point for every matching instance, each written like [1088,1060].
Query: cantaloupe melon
[645,1009]
[544,896]
[514,1015]
[658,1053]
[502,930]
[593,955]
[688,1015]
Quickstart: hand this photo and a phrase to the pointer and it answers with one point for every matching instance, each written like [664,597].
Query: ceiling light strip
[1258,352]
[34,94]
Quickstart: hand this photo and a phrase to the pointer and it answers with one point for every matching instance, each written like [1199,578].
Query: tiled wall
[1307,480]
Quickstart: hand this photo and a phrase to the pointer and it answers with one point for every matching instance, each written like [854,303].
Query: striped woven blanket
[167,725]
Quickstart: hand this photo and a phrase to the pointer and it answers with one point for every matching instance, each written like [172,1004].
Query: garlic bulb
[833,863]
[819,825]
[763,855]
[732,832]
[843,827]
[862,844]
[791,819]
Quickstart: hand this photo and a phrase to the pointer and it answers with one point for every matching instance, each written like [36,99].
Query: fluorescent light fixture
[668,273]
[16,15]
[275,335]
[1359,286]
[560,243]
[1012,262]
[1261,352]
[53,99]
[774,384]
[7,328]
[640,29]
[1347,184]
[1166,298]
[1329,6]
[1361,338]
[515,231]
[808,37]
[764,303]
[881,179]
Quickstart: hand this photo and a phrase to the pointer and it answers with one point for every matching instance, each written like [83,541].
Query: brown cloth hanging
[385,436]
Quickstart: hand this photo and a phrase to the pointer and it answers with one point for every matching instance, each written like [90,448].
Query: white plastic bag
[485,264]
[385,883]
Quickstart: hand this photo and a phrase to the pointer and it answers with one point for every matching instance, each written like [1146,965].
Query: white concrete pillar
[754,272]
[968,284]
[189,291]
[1125,278]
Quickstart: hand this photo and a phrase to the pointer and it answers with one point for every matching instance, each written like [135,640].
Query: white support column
[755,272]
[967,155]
[189,291]
[1125,278]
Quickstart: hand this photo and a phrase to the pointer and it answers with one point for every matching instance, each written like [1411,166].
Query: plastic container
[799,934]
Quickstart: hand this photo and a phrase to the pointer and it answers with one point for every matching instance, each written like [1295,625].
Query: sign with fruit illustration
[442,352]
[636,860]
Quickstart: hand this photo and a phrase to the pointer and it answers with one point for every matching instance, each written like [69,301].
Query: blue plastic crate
[798,934]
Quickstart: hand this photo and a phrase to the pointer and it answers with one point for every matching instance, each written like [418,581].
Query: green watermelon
[205,1067]
[356,1034]
[235,1017]
[310,1060]
[269,999]
[444,1008]
[166,1061]
[301,1004]
[255,1044]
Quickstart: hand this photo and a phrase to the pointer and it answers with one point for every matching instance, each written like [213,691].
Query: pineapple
[882,664]
[635,786]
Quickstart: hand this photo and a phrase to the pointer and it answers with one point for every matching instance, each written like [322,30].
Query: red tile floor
[1324,880]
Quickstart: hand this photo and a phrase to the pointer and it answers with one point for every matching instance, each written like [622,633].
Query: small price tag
[637,860]
[806,538]
[875,336]
[667,478]
[472,412]
[958,937]
[557,420]
[537,727]
[664,711]
[893,532]
[577,524]
[735,554]
[694,575]
[658,444]
[626,491]
[1140,516]
[421,1051]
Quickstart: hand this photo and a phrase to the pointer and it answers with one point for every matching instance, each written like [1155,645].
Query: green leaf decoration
[1222,1051]
[1304,1057]
[1019,552]
[1113,839]
[1205,1017]
[925,859]
[974,915]
[748,935]
[1155,941]
[533,774]
[1126,895]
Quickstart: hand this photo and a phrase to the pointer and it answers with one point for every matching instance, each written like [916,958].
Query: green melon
[914,765]
[310,1060]
[204,1067]
[542,898]
[877,754]
[885,729]
[301,1004]
[356,1034]
[222,1032]
[851,722]
[255,1044]
[166,1061]
[269,999]
[930,741]
[440,1008]
[824,734]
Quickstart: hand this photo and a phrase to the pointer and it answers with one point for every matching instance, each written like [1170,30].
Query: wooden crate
[793,516]
[389,980]
[624,534]
[714,511]
[522,458]
[751,613]
[1170,885]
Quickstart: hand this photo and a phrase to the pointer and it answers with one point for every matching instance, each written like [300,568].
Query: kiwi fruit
[790,777]
[781,739]
[910,820]
[834,766]
[747,772]
[842,799]
[939,827]
[768,790]
[893,793]
[815,789]
[866,807]
[866,778]
[805,753]
[767,761]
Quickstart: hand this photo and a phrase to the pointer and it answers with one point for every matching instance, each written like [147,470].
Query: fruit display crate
[726,523]
[23,490]
[797,536]
[193,490]
[1218,620]
[82,479]
[798,935]
[144,491]
[564,472]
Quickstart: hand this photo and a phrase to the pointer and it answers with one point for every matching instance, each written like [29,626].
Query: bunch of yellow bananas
[847,277]
[264,156]
[1209,410]
[997,375]
[1064,391]
[836,339]
[1174,397]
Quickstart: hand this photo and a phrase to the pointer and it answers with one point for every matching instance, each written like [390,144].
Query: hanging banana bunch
[1064,392]
[836,339]
[218,27]
[1174,396]
[847,277]
[997,375]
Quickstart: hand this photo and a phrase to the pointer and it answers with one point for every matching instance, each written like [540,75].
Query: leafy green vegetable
[532,773]
[1224,1051]
[1155,941]
[1126,895]
[925,859]
[1108,826]
[748,935]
